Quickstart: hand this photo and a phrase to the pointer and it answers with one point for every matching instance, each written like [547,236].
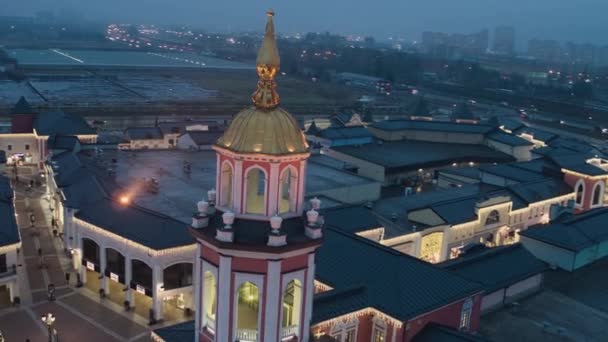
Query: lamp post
[48,320]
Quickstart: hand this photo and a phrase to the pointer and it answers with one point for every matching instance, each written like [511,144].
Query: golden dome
[256,130]
[265,128]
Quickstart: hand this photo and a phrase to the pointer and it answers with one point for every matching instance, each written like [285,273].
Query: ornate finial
[267,65]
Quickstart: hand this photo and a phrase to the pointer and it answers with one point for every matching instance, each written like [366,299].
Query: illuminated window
[345,331]
[256,191]
[248,306]
[226,185]
[465,315]
[292,307]
[287,198]
[379,331]
[209,299]
[493,217]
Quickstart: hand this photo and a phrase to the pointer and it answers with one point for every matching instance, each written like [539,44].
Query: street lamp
[48,320]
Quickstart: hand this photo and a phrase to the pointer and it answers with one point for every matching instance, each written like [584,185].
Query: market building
[10,243]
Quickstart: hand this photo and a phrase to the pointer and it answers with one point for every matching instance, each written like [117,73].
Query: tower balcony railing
[290,331]
[246,335]
[210,322]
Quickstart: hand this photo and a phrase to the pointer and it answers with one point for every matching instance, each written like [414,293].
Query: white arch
[600,202]
[580,183]
[293,189]
[245,195]
[226,196]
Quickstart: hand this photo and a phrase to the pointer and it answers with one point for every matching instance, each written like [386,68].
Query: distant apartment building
[504,40]
[443,45]
[547,50]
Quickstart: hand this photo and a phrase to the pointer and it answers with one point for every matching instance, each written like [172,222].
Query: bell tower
[256,245]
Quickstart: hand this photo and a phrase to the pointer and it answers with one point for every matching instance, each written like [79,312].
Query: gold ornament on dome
[267,66]
[265,128]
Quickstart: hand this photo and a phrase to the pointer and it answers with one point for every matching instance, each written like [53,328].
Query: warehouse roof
[400,125]
[61,123]
[412,155]
[497,268]
[573,233]
[508,139]
[402,286]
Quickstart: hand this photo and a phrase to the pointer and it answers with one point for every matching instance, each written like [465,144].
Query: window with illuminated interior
[292,307]
[379,331]
[209,300]
[465,315]
[256,192]
[345,331]
[287,198]
[247,311]
[226,185]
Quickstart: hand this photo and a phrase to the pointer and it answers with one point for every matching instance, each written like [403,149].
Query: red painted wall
[448,315]
[294,263]
[572,179]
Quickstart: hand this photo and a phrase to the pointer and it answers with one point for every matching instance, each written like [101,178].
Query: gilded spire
[267,65]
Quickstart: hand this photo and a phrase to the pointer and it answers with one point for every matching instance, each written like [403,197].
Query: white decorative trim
[580,182]
[602,186]
[223,299]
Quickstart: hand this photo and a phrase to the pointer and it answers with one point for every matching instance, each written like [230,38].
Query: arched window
[287,197]
[178,275]
[345,331]
[209,300]
[226,184]
[580,192]
[247,310]
[493,217]
[292,307]
[465,314]
[597,194]
[256,192]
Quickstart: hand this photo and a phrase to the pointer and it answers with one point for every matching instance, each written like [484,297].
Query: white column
[273,188]
[198,279]
[237,187]
[104,284]
[128,278]
[394,329]
[301,186]
[157,300]
[224,311]
[274,296]
[309,293]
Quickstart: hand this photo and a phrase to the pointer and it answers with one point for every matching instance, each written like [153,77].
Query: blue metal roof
[508,139]
[497,268]
[573,233]
[412,155]
[182,332]
[383,278]
[422,125]
[61,123]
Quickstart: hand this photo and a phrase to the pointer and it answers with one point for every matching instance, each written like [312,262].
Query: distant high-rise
[546,50]
[504,40]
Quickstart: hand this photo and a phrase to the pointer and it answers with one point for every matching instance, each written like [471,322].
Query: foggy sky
[576,20]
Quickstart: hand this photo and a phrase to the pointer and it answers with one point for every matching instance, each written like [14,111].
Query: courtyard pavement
[80,314]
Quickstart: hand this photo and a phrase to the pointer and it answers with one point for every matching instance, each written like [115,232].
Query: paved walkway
[81,316]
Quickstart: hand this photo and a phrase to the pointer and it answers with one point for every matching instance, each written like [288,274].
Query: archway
[91,264]
[256,192]
[226,185]
[115,275]
[288,190]
[209,300]
[141,283]
[176,277]
[292,308]
[247,312]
